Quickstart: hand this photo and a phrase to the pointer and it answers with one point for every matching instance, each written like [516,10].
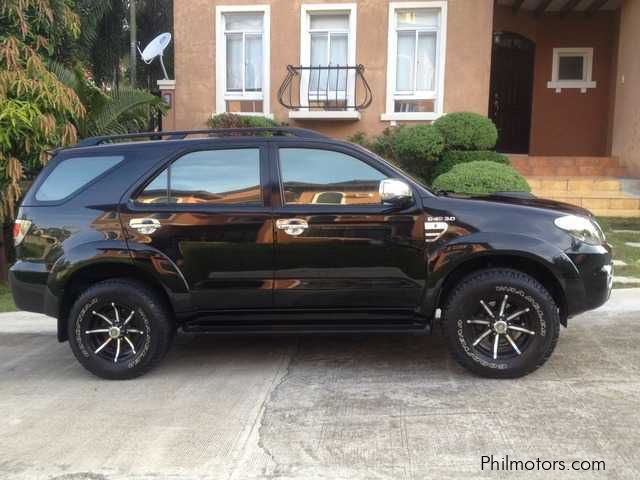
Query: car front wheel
[119,329]
[501,323]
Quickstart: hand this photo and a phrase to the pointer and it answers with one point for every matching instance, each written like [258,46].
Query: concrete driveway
[366,407]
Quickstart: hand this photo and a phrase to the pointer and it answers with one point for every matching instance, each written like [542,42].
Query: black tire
[530,337]
[148,333]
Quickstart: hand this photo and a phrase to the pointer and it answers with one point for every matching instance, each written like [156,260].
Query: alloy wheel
[114,332]
[501,328]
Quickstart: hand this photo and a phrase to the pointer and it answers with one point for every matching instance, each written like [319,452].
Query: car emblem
[434,230]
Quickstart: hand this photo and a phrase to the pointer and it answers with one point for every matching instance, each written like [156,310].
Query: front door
[336,245]
[512,67]
[208,214]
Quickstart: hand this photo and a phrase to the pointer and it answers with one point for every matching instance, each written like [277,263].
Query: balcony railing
[333,89]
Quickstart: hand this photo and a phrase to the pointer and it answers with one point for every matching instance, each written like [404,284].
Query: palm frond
[127,106]
[67,76]
[91,13]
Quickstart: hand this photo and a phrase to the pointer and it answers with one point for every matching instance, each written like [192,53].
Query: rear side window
[72,174]
[211,177]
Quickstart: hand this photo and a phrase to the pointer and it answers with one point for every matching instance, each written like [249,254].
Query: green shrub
[478,178]
[452,158]
[360,138]
[381,144]
[230,120]
[467,131]
[417,148]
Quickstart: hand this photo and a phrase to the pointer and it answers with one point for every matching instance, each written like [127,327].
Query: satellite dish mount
[156,49]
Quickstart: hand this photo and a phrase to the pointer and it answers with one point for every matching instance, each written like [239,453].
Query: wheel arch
[530,265]
[90,274]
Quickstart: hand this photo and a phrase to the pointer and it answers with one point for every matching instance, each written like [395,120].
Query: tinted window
[324,177]
[72,174]
[208,177]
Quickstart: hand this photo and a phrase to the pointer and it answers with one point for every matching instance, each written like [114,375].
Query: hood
[522,199]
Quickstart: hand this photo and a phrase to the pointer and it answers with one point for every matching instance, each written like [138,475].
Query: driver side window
[324,177]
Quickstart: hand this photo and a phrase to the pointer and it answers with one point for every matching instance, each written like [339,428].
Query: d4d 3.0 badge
[436,227]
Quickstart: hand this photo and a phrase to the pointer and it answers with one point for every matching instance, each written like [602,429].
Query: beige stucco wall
[626,125]
[466,75]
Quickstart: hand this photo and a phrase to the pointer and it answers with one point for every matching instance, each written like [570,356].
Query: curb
[622,300]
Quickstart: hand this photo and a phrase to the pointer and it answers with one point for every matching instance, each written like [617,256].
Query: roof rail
[214,132]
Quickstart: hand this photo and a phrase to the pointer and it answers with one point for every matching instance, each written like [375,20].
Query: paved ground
[319,408]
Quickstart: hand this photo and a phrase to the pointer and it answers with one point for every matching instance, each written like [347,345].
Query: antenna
[156,49]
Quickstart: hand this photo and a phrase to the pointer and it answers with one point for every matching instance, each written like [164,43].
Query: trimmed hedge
[416,148]
[452,158]
[480,178]
[467,131]
[230,120]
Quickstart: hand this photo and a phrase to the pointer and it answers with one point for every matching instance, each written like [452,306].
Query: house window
[328,45]
[417,46]
[242,65]
[572,68]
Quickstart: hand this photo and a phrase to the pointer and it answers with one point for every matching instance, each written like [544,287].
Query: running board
[298,321]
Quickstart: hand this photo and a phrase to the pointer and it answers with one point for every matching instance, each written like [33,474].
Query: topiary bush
[467,131]
[230,120]
[417,148]
[480,178]
[452,158]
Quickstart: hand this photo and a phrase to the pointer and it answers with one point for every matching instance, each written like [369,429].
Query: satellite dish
[156,49]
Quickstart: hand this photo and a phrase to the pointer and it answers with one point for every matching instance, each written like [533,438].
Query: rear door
[337,245]
[206,211]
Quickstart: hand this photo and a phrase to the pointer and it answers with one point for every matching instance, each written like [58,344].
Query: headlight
[582,228]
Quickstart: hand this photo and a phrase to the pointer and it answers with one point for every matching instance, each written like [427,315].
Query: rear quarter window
[71,174]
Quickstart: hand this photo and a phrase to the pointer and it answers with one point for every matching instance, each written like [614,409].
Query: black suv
[287,231]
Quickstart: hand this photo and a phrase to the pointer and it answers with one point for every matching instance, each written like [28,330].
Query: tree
[37,111]
[106,22]
[106,63]
[109,112]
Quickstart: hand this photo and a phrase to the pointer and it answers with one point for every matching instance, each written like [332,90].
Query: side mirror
[395,192]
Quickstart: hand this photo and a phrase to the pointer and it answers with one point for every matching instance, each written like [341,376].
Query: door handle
[292,226]
[145,226]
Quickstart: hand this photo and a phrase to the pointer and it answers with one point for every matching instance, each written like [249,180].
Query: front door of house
[512,67]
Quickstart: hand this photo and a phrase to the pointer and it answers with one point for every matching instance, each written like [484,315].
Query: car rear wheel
[119,329]
[501,323]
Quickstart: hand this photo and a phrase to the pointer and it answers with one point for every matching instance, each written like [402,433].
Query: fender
[444,259]
[82,256]
[117,253]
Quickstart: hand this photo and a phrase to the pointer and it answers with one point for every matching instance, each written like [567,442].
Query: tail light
[20,229]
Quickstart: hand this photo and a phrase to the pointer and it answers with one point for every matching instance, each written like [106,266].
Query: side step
[316,321]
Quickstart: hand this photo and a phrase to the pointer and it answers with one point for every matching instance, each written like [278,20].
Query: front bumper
[593,288]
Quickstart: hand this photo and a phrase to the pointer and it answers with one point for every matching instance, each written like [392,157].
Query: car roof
[178,139]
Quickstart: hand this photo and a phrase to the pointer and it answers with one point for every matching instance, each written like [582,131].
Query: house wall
[467,70]
[626,126]
[569,122]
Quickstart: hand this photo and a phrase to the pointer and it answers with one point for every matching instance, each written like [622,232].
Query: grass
[625,253]
[6,300]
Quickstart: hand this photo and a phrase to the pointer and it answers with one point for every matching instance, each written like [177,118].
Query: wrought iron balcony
[325,92]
